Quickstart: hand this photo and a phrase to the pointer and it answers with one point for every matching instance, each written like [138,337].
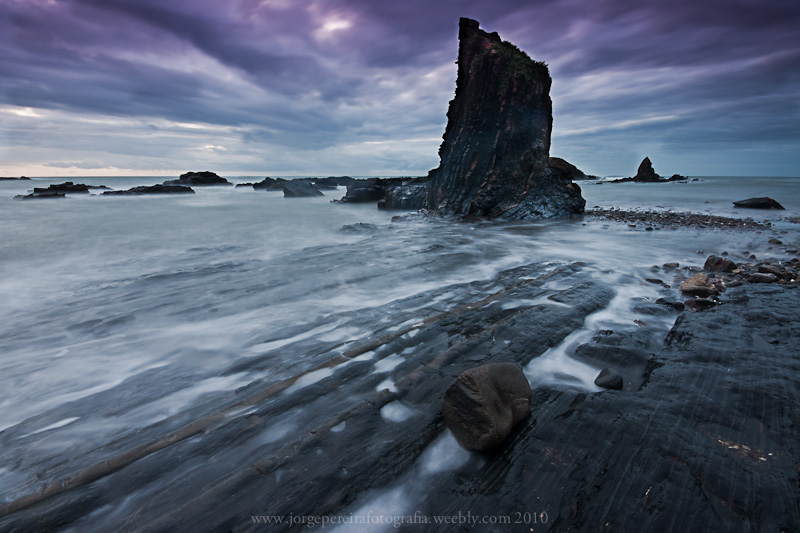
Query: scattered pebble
[657,219]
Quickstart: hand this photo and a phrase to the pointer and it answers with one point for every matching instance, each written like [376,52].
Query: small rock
[698,285]
[484,403]
[760,277]
[609,379]
[671,265]
[655,281]
[770,269]
[775,241]
[719,264]
[678,306]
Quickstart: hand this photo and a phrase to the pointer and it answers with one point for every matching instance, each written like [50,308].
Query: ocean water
[176,290]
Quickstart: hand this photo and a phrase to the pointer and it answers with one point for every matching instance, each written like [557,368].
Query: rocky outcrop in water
[67,187]
[300,189]
[764,202]
[389,193]
[646,174]
[202,179]
[494,158]
[4,178]
[333,181]
[566,171]
[40,195]
[59,190]
[152,189]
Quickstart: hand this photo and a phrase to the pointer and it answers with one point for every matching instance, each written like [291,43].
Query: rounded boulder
[484,403]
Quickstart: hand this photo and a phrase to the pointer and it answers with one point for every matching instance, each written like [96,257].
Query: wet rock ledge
[707,443]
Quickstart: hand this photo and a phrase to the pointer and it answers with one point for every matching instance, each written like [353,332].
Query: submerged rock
[764,202]
[204,178]
[495,153]
[41,195]
[484,403]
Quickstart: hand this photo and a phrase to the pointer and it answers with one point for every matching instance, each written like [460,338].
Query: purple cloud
[306,87]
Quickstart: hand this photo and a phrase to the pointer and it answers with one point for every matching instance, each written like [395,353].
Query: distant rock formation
[646,174]
[494,158]
[300,189]
[333,181]
[566,170]
[24,178]
[199,178]
[67,187]
[152,189]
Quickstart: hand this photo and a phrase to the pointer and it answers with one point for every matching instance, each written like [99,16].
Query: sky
[361,87]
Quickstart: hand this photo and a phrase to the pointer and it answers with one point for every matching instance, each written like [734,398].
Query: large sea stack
[494,158]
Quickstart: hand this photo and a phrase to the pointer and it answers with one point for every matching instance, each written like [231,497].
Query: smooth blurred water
[98,290]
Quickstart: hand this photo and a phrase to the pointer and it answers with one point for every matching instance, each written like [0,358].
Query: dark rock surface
[387,193]
[759,203]
[701,438]
[204,178]
[152,189]
[408,196]
[495,153]
[363,191]
[4,178]
[706,444]
[484,403]
[270,184]
[299,189]
[334,181]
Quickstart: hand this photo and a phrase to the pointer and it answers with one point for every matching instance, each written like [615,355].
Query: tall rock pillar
[494,157]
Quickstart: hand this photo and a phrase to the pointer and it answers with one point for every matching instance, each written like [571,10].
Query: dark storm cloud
[311,76]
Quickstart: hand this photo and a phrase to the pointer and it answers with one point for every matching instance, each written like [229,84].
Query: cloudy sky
[361,87]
